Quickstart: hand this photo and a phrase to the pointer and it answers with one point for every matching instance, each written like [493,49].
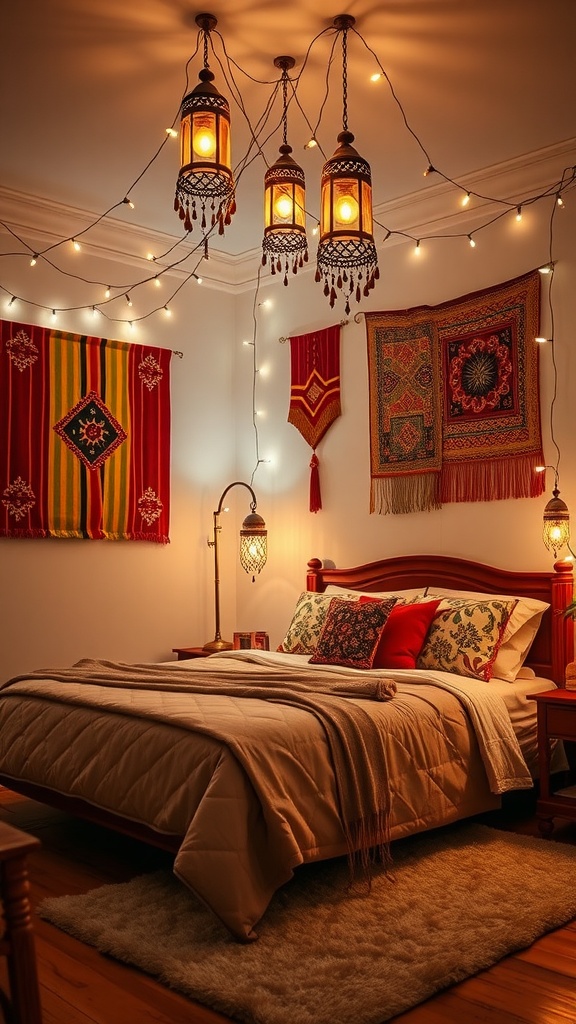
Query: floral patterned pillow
[308,619]
[352,632]
[464,637]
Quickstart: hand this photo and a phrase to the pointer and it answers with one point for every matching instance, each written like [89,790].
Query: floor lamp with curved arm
[253,554]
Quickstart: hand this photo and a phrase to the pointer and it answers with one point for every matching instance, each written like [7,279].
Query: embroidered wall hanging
[454,400]
[315,393]
[84,436]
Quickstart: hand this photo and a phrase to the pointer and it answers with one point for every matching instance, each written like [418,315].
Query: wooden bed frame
[553,647]
[552,650]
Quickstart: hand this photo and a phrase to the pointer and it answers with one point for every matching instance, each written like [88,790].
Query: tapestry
[84,436]
[315,393]
[405,411]
[454,400]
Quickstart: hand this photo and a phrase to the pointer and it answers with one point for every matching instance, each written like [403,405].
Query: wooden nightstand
[185,653]
[17,943]
[556,720]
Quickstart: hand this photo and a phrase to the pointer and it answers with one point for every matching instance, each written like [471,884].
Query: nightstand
[185,653]
[556,720]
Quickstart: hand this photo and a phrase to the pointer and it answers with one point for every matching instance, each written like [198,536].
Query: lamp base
[218,645]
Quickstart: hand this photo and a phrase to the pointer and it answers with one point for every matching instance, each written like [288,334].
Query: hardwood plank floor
[79,986]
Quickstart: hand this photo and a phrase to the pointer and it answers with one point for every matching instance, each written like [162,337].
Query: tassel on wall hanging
[315,393]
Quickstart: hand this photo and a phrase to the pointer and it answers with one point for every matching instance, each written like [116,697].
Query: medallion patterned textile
[84,436]
[454,400]
[315,393]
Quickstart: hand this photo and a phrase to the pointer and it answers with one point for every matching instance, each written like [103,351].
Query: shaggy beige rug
[460,900]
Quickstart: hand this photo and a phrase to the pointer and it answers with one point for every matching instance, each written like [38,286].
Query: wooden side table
[185,653]
[17,943]
[556,720]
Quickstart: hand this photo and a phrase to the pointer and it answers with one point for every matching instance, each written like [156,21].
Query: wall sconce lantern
[347,258]
[253,555]
[556,518]
[284,201]
[205,178]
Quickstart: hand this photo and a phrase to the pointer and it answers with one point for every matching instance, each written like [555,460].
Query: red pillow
[404,634]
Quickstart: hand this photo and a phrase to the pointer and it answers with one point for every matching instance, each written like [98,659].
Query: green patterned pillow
[464,637]
[307,622]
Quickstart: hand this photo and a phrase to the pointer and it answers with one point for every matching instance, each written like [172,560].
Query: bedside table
[556,720]
[185,653]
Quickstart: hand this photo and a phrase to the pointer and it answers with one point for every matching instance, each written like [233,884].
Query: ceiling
[87,90]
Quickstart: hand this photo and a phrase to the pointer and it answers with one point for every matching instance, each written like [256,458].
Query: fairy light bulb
[519,214]
[417,248]
[34,260]
[471,241]
[107,292]
[466,199]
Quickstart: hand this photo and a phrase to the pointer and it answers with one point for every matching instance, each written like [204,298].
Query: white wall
[503,533]
[65,600]
[62,600]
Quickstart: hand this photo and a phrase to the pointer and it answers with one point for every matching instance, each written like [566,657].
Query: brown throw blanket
[355,742]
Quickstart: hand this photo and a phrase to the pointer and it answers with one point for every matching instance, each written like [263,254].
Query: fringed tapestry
[454,400]
[84,436]
[405,411]
[315,393]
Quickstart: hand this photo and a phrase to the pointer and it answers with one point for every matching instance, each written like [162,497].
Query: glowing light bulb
[204,141]
[172,133]
[472,242]
[75,245]
[346,210]
[283,206]
[375,77]
[519,213]
[34,260]
[107,292]
[417,248]
[466,199]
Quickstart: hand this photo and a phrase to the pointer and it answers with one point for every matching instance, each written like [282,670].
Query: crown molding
[430,210]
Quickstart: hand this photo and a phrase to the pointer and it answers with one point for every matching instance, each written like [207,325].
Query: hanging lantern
[205,184]
[556,523]
[347,260]
[284,243]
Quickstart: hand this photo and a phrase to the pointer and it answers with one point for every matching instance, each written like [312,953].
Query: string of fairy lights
[167,264]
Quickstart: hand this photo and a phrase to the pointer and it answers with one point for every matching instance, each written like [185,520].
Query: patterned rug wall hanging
[315,393]
[84,436]
[454,400]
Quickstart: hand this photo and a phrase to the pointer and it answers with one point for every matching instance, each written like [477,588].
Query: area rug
[455,902]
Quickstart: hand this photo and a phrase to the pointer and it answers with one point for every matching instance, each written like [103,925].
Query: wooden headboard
[553,647]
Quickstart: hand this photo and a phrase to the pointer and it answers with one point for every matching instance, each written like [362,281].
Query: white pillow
[520,630]
[353,595]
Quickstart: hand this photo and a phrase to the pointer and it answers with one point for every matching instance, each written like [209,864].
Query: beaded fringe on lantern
[214,194]
[349,266]
[290,252]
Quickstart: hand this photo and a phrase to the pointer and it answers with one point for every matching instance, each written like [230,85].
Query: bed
[352,735]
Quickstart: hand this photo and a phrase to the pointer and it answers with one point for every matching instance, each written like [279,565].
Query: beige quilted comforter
[252,779]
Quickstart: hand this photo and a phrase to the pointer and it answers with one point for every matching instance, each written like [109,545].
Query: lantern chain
[345,78]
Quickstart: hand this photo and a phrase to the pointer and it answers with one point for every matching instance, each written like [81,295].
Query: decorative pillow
[404,634]
[351,633]
[307,621]
[520,631]
[464,637]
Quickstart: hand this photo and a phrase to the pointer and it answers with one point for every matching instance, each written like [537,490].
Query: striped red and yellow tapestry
[84,436]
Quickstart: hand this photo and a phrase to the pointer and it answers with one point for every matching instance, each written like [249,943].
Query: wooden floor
[79,986]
